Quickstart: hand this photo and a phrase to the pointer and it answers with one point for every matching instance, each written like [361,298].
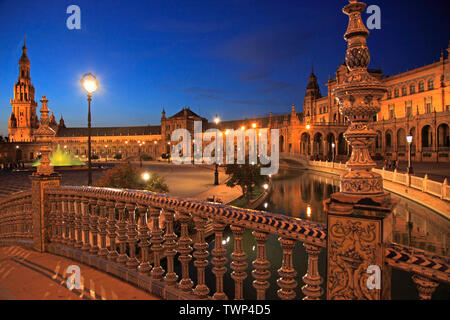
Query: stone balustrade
[131,234]
[438,189]
[16,223]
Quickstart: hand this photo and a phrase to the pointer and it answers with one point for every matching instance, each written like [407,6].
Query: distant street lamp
[168,153]
[333,145]
[90,85]
[216,171]
[409,139]
[145,176]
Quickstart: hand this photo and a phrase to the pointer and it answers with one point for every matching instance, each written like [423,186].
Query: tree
[126,176]
[246,176]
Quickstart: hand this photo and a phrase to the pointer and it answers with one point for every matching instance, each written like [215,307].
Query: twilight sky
[236,58]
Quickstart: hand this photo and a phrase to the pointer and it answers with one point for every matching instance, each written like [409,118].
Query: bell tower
[23,119]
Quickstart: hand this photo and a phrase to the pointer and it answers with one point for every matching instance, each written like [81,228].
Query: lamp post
[216,171]
[90,84]
[409,139]
[169,153]
[333,145]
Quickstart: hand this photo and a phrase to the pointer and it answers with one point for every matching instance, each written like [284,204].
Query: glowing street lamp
[308,127]
[90,85]
[409,139]
[333,145]
[253,125]
[216,171]
[145,176]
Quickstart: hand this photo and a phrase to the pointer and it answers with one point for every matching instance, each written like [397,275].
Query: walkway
[26,274]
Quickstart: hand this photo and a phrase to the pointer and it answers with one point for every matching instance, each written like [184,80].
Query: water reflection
[300,194]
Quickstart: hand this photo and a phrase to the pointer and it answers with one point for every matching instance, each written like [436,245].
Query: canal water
[300,194]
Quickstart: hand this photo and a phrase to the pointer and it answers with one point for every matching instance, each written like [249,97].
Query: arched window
[431,84]
[421,86]
[412,88]
[404,92]
[396,93]
[389,94]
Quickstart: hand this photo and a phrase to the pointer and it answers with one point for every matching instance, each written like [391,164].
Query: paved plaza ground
[183,180]
[26,274]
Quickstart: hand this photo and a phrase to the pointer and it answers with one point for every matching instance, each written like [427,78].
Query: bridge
[158,244]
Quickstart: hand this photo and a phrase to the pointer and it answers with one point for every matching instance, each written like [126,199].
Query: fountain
[60,158]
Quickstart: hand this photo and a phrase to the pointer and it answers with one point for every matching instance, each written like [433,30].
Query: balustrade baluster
[52,217]
[59,218]
[312,278]
[185,249]
[93,225]
[201,290]
[65,219]
[261,265]
[144,237]
[170,248]
[287,273]
[132,262]
[111,210]
[71,219]
[78,222]
[102,227]
[85,220]
[425,286]
[156,241]
[238,265]
[122,233]
[219,261]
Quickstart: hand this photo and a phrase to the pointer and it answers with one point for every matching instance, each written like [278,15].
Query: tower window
[430,84]
[412,89]
[404,93]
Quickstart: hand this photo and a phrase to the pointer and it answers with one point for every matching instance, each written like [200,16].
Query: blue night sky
[236,58]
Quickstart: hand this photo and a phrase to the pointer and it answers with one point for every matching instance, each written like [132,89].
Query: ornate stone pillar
[43,178]
[359,216]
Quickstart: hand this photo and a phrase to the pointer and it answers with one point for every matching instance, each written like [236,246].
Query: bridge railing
[112,224]
[131,234]
[16,223]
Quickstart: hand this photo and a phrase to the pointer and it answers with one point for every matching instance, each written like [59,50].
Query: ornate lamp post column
[359,215]
[216,171]
[409,139]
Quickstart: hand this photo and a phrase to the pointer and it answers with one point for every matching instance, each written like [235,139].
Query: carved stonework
[354,245]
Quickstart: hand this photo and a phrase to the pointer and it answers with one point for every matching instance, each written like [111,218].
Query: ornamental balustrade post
[122,233]
[144,237]
[156,241]
[43,178]
[102,226]
[111,223]
[219,260]
[261,265]
[359,217]
[85,224]
[132,262]
[201,290]
[239,264]
[312,278]
[93,226]
[185,249]
[170,247]
[78,222]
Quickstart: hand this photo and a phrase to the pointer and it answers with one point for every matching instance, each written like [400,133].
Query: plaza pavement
[28,275]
